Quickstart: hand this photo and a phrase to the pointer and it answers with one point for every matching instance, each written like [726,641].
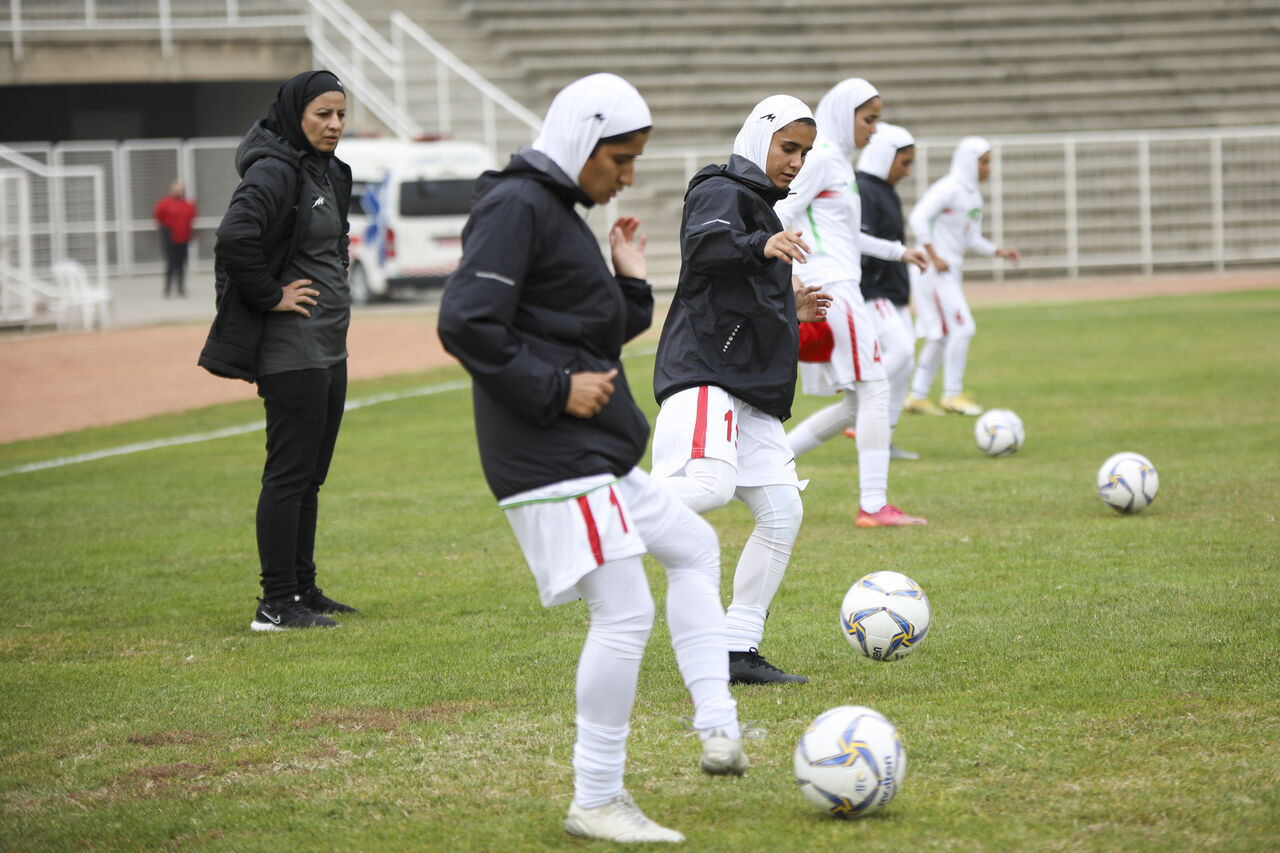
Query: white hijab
[964,162]
[877,158]
[767,118]
[584,112]
[835,112]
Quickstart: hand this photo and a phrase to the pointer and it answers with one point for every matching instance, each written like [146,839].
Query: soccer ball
[999,432]
[1127,482]
[885,615]
[850,761]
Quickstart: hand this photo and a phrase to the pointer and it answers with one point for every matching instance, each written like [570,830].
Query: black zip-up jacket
[533,301]
[732,322]
[256,240]
[882,217]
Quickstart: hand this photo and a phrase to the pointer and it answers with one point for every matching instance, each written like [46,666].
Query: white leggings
[866,409]
[621,610]
[709,483]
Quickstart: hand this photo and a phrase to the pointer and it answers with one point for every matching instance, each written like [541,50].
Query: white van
[409,202]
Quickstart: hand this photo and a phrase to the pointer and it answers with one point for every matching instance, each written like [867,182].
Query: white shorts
[709,422]
[856,353]
[893,325]
[941,308]
[569,529]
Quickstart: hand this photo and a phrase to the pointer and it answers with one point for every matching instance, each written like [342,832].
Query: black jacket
[882,217]
[531,302]
[256,240]
[732,322]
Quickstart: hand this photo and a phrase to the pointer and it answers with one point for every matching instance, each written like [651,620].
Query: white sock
[621,611]
[899,383]
[957,354]
[778,513]
[873,444]
[599,759]
[927,367]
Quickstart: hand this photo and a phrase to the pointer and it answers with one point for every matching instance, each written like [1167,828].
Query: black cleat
[316,601]
[285,613]
[750,668]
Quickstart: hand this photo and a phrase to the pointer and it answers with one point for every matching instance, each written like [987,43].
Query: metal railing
[49,213]
[163,17]
[1131,201]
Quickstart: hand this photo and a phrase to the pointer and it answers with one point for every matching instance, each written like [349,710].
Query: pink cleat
[887,516]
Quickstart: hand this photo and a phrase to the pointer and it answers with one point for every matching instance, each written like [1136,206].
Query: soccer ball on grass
[885,615]
[1127,482]
[999,432]
[850,761]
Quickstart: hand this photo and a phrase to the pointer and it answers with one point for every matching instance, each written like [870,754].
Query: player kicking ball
[537,318]
[726,365]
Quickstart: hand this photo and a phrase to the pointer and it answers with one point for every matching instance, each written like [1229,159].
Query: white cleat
[722,756]
[620,820]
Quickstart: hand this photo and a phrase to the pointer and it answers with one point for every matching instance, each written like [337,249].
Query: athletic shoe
[620,820]
[721,755]
[287,613]
[316,601]
[921,406]
[750,668]
[961,404]
[851,433]
[896,452]
[887,516]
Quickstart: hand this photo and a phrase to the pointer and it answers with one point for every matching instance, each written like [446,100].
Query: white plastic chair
[78,295]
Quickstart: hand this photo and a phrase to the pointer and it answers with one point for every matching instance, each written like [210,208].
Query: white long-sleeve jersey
[949,216]
[825,205]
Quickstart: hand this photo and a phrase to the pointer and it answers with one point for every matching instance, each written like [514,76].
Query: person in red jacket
[174,214]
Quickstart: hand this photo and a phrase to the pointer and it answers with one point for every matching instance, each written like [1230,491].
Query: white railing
[370,67]
[49,214]
[1088,202]
[163,17]
[447,71]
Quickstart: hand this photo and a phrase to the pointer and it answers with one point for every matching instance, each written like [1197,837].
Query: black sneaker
[287,613]
[750,668]
[316,601]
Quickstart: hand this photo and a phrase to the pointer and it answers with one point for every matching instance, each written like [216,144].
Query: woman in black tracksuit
[283,312]
[537,318]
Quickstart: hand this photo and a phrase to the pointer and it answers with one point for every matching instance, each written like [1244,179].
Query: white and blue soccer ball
[850,761]
[1127,482]
[999,432]
[885,615]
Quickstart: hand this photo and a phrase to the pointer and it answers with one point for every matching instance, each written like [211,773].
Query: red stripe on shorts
[699,448]
[941,314]
[593,535]
[829,194]
[853,339]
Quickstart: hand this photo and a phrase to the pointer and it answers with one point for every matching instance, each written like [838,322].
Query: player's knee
[778,512]
[626,626]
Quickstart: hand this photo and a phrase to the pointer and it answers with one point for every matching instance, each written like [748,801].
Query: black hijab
[284,117]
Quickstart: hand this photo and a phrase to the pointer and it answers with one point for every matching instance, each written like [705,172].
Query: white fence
[1087,203]
[1091,202]
[164,18]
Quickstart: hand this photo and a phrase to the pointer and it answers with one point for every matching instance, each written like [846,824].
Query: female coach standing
[283,312]
[537,318]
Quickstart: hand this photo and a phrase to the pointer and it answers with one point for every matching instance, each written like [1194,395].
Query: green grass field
[1090,682]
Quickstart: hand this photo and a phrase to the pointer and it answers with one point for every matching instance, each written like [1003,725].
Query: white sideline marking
[225,432]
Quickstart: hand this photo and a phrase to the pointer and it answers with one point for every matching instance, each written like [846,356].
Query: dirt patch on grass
[54,383]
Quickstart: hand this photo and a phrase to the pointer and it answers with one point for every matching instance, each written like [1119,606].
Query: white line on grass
[226,432]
